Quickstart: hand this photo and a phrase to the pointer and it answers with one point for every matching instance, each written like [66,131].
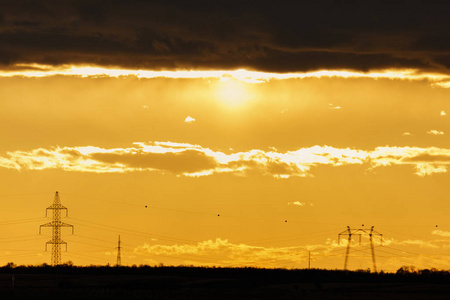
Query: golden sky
[226,134]
[226,168]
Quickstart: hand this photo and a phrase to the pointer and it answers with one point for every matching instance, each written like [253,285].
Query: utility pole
[309,260]
[373,250]
[56,225]
[119,256]
[350,232]
[348,247]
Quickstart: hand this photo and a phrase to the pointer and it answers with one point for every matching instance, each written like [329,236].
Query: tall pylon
[362,231]
[56,225]
[119,256]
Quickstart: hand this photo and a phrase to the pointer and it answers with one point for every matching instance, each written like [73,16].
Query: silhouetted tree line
[249,274]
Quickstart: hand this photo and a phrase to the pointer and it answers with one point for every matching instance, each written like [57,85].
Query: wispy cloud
[442,84]
[419,243]
[223,252]
[195,160]
[407,134]
[300,203]
[435,132]
[331,106]
[441,233]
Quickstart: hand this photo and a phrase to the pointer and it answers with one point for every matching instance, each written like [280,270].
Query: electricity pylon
[350,232]
[56,225]
[119,256]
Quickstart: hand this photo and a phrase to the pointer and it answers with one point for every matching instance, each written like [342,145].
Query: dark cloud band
[273,36]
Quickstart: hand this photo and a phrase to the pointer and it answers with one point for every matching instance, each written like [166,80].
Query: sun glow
[232,91]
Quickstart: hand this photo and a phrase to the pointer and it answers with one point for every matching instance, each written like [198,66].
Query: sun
[232,91]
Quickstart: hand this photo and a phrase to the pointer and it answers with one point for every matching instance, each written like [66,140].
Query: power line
[14,222]
[104,200]
[211,214]
[133,232]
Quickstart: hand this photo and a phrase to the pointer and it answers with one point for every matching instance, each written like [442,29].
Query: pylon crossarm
[67,225]
[50,224]
[345,232]
[63,243]
[57,207]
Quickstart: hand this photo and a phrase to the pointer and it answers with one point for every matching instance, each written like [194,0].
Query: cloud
[428,169]
[426,160]
[270,36]
[189,119]
[442,84]
[195,160]
[443,113]
[299,203]
[407,134]
[331,106]
[37,71]
[225,253]
[188,161]
[435,132]
[432,156]
[420,243]
[441,233]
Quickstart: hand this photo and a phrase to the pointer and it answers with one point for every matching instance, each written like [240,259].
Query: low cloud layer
[226,253]
[194,160]
[266,36]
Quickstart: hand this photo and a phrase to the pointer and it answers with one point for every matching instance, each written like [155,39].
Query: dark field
[68,282]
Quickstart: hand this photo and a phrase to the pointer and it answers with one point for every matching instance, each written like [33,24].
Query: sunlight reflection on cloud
[195,161]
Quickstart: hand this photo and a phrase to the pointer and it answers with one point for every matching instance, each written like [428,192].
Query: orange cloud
[226,253]
[195,160]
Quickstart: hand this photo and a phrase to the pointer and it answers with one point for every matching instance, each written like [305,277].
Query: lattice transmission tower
[56,225]
[359,232]
[119,255]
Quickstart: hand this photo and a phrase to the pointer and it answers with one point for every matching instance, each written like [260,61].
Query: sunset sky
[226,134]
